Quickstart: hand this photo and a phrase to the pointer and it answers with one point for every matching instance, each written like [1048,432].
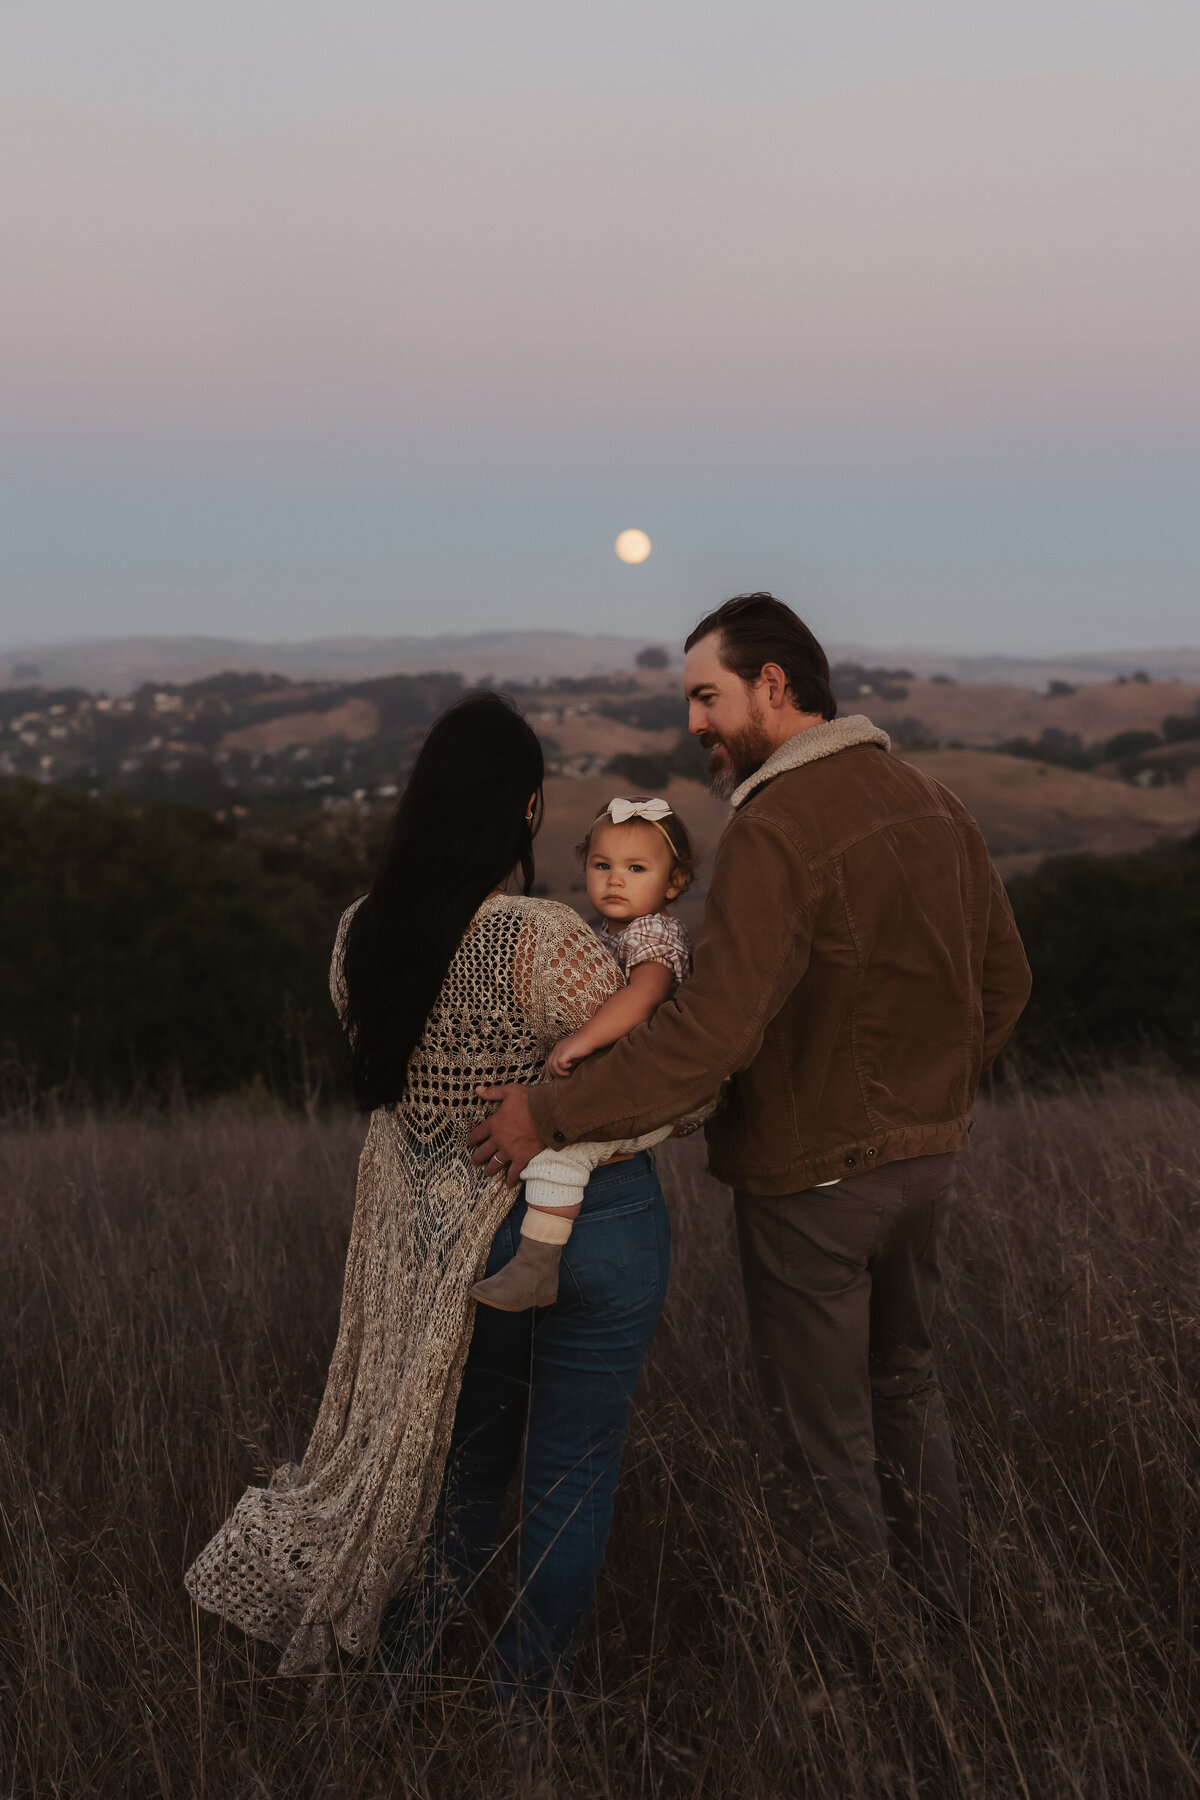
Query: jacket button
[560,1137]
[870,1153]
[850,1161]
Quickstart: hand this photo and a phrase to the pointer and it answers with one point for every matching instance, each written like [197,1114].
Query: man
[858,968]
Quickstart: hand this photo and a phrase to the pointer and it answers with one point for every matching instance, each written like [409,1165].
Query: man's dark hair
[757,628]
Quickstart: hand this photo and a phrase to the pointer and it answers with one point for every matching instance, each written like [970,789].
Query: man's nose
[697,719]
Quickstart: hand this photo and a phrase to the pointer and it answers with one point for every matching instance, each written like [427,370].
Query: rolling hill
[118,665]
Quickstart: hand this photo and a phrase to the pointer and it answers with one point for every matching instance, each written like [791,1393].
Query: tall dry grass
[170,1298]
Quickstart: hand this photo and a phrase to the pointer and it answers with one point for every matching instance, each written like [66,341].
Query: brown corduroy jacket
[858,968]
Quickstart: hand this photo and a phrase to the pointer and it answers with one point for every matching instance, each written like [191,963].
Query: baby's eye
[637,868]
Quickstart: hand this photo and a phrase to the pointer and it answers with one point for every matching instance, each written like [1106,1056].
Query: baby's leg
[531,1278]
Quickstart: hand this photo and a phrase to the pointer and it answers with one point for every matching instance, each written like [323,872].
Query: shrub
[1177,728]
[644,773]
[648,712]
[1065,749]
[653,770]
[1114,945]
[143,950]
[910,734]
[1130,743]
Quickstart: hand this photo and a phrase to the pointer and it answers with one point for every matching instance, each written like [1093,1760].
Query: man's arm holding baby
[755,947]
[650,983]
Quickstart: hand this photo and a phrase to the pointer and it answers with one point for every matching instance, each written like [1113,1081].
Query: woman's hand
[566,1053]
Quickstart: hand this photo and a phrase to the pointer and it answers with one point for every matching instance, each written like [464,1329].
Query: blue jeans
[562,1380]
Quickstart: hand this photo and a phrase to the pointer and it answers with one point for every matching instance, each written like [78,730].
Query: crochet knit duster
[314,1557]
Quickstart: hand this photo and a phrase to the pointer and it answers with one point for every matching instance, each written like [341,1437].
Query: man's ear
[775,681]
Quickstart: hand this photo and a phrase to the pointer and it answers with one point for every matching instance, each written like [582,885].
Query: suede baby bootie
[530,1279]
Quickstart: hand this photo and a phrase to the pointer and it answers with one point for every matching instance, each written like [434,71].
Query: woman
[446,983]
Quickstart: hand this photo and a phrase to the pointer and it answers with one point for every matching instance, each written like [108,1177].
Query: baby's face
[629,871]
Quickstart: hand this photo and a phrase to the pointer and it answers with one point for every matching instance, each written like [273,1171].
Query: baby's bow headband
[621,811]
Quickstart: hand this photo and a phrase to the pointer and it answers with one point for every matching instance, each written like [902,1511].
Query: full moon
[633,546]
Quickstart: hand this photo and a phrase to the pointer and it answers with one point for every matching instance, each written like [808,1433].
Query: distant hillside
[118,666]
[1107,766]
[1181,663]
[249,742]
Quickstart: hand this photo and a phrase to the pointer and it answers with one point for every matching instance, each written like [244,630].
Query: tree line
[150,950]
[153,949]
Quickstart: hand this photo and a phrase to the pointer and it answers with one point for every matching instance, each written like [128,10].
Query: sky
[343,318]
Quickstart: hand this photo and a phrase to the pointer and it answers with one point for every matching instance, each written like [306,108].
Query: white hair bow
[621,811]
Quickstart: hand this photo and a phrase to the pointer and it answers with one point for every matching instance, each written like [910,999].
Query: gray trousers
[840,1287]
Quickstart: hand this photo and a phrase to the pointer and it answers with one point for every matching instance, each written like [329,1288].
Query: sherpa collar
[808,746]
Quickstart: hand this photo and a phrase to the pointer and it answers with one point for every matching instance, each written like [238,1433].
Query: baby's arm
[650,983]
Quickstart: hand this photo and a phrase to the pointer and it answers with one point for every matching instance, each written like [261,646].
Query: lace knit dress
[314,1557]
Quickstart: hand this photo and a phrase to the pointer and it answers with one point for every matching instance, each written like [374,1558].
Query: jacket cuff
[544,1113]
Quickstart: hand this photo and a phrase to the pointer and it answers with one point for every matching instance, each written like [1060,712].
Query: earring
[529,817]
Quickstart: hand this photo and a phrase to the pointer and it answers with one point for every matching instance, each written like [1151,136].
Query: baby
[637,858]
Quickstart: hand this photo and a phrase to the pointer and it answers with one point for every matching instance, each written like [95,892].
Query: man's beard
[735,757]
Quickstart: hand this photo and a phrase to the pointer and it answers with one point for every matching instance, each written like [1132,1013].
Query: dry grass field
[170,1295]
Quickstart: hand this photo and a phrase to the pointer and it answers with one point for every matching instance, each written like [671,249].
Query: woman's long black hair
[460,830]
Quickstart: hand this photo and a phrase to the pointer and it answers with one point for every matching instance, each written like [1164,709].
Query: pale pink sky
[556,235]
